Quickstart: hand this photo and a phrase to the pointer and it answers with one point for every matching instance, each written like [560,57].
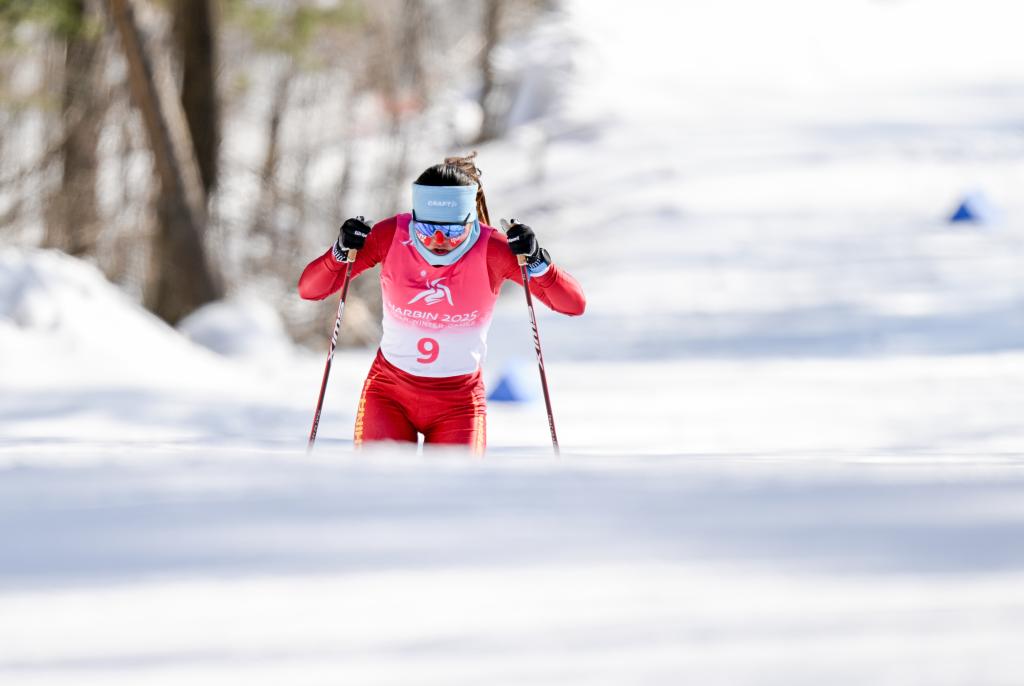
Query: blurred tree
[491,32]
[32,32]
[306,66]
[332,104]
[401,77]
[195,40]
[182,277]
[62,16]
[497,91]
[301,40]
[72,221]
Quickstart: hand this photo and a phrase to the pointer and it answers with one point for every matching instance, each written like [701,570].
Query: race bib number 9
[429,349]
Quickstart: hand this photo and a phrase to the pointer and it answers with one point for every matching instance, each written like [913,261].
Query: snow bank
[79,360]
[239,327]
[54,302]
[61,318]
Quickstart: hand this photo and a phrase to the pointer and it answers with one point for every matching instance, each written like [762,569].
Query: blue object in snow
[518,383]
[976,209]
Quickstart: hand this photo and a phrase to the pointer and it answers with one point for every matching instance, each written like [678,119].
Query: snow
[261,568]
[238,327]
[790,418]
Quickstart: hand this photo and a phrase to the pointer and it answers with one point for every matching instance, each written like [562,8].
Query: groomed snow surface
[791,417]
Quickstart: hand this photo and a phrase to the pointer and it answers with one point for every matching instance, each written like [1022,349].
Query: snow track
[392,570]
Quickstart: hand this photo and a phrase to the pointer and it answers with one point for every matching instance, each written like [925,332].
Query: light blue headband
[444,203]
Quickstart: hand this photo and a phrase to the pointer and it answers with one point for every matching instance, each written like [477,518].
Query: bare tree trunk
[489,127]
[195,36]
[73,222]
[182,277]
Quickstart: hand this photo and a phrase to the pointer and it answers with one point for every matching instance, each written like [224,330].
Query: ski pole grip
[505,226]
[352,253]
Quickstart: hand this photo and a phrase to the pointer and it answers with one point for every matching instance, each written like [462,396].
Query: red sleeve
[325,275]
[555,288]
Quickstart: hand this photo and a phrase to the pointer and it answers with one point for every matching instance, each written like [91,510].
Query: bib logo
[440,203]
[434,293]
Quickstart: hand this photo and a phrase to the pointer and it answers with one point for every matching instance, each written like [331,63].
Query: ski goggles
[436,233]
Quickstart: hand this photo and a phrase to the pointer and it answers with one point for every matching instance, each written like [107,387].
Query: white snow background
[791,416]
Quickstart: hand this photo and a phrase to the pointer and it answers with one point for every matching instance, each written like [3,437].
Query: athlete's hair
[458,171]
[444,175]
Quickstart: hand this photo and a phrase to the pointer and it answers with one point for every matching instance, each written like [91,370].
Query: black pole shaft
[330,353]
[540,356]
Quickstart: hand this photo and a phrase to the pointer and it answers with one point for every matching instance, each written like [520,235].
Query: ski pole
[351,257]
[536,341]
[468,165]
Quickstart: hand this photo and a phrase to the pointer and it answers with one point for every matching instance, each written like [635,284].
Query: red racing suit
[427,375]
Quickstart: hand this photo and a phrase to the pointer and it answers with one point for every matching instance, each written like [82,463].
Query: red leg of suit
[380,417]
[396,405]
[463,422]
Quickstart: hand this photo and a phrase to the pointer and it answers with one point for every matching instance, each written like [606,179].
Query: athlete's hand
[522,240]
[353,233]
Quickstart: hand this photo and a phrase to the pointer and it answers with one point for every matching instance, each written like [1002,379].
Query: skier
[441,271]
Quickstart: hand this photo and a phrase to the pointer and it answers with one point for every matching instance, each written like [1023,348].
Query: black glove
[522,241]
[353,233]
[351,236]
